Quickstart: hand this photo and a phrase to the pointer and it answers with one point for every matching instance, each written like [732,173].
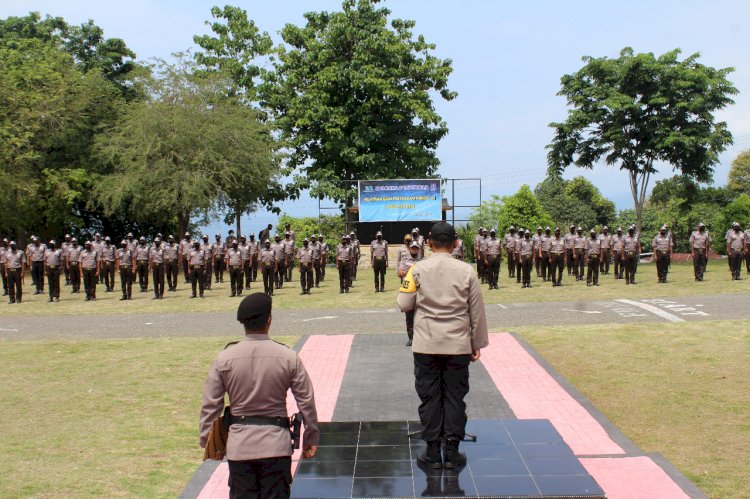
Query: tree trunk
[638,187]
[183,220]
[238,221]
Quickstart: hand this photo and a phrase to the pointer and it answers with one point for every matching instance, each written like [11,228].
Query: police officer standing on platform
[52,265]
[579,249]
[256,374]
[450,329]
[604,260]
[544,249]
[125,263]
[526,249]
[570,238]
[343,256]
[288,244]
[219,251]
[700,244]
[253,249]
[208,249]
[280,257]
[315,247]
[405,262]
[617,250]
[379,260]
[15,268]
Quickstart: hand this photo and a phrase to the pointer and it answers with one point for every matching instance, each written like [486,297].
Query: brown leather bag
[217,437]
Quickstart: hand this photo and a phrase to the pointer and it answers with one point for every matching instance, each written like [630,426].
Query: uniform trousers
[604,262]
[570,261]
[493,269]
[557,263]
[538,264]
[629,260]
[735,263]
[170,266]
[268,478]
[53,281]
[4,278]
[318,272]
[75,277]
[207,273]
[580,261]
[280,273]
[526,264]
[619,265]
[379,268]
[747,261]
[480,267]
[699,263]
[662,265]
[519,267]
[511,264]
[37,273]
[355,265]
[254,268]
[246,273]
[235,279]
[15,289]
[323,268]
[197,278]
[186,271]
[142,266]
[410,324]
[592,272]
[545,265]
[344,275]
[306,276]
[89,282]
[158,271]
[289,267]
[108,275]
[269,275]
[442,382]
[67,275]
[126,282]
[219,269]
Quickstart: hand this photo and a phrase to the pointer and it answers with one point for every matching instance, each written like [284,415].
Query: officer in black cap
[256,373]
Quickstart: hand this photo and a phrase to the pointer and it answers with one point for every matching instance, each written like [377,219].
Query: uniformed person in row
[219,251]
[107,257]
[198,263]
[90,266]
[593,254]
[405,262]
[459,252]
[256,375]
[351,259]
[483,255]
[356,253]
[520,234]
[631,249]
[253,247]
[186,246]
[305,262]
[96,245]
[269,267]
[556,257]
[15,269]
[171,257]
[208,249]
[379,260]
[289,250]
[73,262]
[156,267]
[509,241]
[537,238]
[36,264]
[324,251]
[343,256]
[316,260]
[247,270]
[234,263]
[450,329]
[570,238]
[527,249]
[700,245]
[125,264]
[4,246]
[604,261]
[64,247]
[477,254]
[280,256]
[662,245]
[579,249]
[747,244]
[736,248]
[141,263]
[617,253]
[402,252]
[53,260]
[543,253]
[492,258]
[419,238]
[133,246]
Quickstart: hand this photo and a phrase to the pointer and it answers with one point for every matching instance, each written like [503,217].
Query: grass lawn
[682,391]
[363,296]
[102,418]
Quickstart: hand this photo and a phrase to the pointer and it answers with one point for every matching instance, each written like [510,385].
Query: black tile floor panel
[511,458]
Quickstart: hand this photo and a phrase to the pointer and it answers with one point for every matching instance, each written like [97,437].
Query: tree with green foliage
[739,173]
[522,209]
[638,110]
[176,154]
[575,201]
[736,211]
[352,93]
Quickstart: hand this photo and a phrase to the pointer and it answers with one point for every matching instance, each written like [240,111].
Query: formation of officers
[549,253]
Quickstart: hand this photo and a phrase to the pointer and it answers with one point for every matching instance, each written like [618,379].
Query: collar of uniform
[257,337]
[441,254]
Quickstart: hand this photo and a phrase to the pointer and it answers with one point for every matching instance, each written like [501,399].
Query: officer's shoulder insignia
[409,286]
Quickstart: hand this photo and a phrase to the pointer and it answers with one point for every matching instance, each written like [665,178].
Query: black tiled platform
[511,458]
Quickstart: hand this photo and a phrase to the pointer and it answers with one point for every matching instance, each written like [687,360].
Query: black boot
[431,457]
[453,458]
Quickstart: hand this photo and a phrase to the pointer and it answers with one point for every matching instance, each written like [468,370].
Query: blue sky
[507,60]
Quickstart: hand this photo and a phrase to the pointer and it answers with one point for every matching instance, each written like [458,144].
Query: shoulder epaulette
[230,344]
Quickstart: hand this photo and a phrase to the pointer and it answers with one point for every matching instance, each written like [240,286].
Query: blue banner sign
[400,200]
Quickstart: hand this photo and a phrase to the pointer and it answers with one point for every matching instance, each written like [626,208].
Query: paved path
[387,320]
[509,382]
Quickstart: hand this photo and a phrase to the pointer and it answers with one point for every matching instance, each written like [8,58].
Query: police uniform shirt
[449,315]
[208,249]
[256,373]
[64,247]
[252,249]
[288,245]
[406,262]
[477,241]
[537,238]
[570,241]
[245,250]
[14,259]
[593,246]
[186,247]
[483,245]
[88,259]
[736,240]
[52,257]
[517,247]
[700,240]
[355,246]
[662,243]
[278,249]
[557,245]
[170,251]
[458,251]
[747,236]
[343,252]
[268,256]
[2,255]
[37,252]
[324,248]
[493,246]
[526,248]
[510,241]
[606,240]
[234,257]
[97,246]
[579,242]
[219,249]
[379,249]
[630,243]
[142,252]
[74,253]
[198,257]
[124,257]
[617,243]
[107,253]
[315,247]
[132,245]
[157,255]
[305,255]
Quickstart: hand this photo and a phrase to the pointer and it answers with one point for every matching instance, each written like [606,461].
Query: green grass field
[681,283]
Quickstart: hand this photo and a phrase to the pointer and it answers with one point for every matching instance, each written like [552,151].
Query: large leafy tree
[178,153]
[638,110]
[352,93]
[522,209]
[739,173]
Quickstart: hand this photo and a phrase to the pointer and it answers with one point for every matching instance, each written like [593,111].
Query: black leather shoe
[431,456]
[453,458]
[408,343]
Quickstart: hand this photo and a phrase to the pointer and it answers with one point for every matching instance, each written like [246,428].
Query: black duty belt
[124,266]
[558,252]
[630,253]
[197,266]
[15,269]
[281,422]
[235,267]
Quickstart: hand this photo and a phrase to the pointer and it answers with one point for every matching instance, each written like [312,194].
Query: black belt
[124,266]
[235,267]
[14,269]
[198,266]
[281,422]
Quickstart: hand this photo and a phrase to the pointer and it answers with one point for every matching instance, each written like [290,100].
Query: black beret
[254,310]
[443,232]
